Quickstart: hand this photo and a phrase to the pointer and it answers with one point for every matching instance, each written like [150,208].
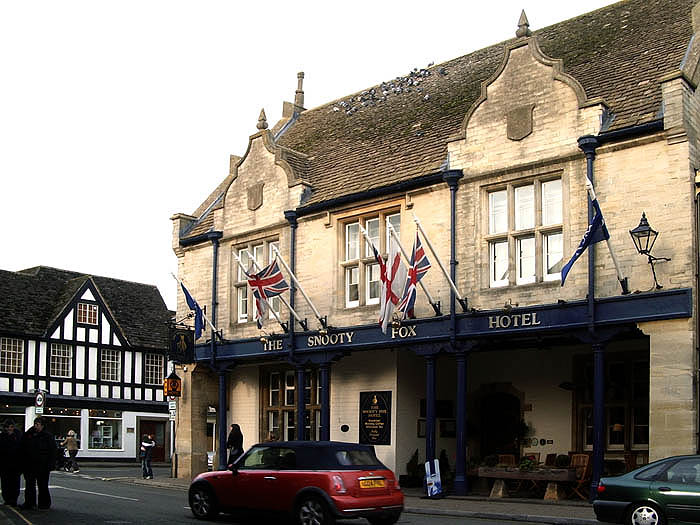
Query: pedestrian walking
[71,444]
[10,471]
[38,457]
[147,446]
[234,443]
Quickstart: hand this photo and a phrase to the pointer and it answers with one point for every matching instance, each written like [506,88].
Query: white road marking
[20,515]
[94,493]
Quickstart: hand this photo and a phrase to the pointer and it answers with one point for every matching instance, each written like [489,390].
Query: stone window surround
[512,236]
[239,287]
[364,260]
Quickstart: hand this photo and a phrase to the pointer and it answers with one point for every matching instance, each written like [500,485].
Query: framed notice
[375,418]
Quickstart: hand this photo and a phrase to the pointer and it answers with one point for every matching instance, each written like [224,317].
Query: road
[85,498]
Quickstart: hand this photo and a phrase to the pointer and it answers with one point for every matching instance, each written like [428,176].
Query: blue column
[460,483]
[221,417]
[430,408]
[301,406]
[325,402]
[598,416]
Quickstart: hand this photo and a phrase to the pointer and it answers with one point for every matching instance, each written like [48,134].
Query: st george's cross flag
[420,264]
[267,283]
[198,314]
[596,232]
[391,274]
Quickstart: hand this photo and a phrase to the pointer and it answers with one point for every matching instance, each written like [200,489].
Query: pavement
[565,512]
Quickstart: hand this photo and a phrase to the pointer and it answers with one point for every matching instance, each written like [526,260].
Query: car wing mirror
[233,468]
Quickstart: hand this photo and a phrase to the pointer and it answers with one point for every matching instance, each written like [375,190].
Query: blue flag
[198,315]
[596,232]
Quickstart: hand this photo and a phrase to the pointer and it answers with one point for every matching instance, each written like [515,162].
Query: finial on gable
[262,120]
[523,26]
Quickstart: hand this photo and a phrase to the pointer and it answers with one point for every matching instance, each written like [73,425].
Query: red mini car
[313,481]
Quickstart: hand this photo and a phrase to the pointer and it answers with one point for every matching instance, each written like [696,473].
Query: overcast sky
[116,115]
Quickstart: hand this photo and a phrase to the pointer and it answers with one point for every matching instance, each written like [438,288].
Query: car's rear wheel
[645,514]
[203,502]
[312,510]
[387,519]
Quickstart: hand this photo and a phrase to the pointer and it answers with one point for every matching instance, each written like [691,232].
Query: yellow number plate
[371,483]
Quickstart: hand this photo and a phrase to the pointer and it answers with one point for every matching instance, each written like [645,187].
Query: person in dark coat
[10,471]
[234,443]
[147,446]
[38,453]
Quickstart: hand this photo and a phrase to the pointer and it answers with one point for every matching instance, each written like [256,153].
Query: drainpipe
[588,145]
[291,217]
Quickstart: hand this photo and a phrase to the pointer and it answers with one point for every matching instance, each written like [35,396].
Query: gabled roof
[31,300]
[381,136]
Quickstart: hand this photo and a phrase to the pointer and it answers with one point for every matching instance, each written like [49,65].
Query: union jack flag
[418,268]
[267,283]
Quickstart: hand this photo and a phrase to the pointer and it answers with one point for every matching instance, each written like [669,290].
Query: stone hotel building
[491,152]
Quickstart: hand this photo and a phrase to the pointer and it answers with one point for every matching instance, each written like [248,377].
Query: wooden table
[555,478]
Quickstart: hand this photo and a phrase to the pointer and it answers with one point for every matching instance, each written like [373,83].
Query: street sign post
[39,401]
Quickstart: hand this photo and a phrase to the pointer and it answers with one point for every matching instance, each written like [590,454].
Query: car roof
[316,444]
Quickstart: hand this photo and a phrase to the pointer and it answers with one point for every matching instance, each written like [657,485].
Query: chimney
[299,95]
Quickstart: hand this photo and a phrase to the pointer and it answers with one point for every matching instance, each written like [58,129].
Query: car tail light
[601,488]
[396,485]
[338,484]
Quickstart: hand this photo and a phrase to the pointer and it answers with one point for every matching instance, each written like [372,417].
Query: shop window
[105,427]
[153,369]
[61,364]
[11,355]
[626,402]
[59,421]
[87,313]
[524,237]
[279,394]
[262,253]
[361,282]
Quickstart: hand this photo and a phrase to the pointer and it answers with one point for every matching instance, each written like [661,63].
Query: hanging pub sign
[375,418]
[172,385]
[181,345]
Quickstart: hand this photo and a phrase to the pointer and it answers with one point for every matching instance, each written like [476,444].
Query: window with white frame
[110,365]
[61,360]
[11,355]
[153,369]
[360,270]
[253,256]
[525,241]
[87,313]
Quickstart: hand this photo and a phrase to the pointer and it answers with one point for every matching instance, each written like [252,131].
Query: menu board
[375,418]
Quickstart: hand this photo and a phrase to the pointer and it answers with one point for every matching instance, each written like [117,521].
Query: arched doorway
[500,424]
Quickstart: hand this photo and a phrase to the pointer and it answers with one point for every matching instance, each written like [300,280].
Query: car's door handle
[664,489]
[270,477]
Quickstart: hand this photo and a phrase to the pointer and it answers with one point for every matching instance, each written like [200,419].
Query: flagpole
[203,314]
[296,316]
[240,264]
[392,232]
[461,300]
[321,320]
[620,277]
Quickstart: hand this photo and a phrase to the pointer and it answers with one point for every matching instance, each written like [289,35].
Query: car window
[686,471]
[269,458]
[356,458]
[650,473]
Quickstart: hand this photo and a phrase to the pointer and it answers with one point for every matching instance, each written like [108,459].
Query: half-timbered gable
[95,345]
